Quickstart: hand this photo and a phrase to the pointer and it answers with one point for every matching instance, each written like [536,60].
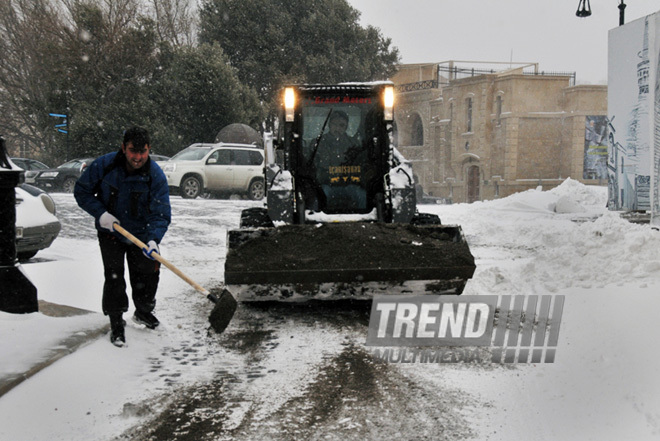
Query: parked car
[64,177]
[217,168]
[31,167]
[36,223]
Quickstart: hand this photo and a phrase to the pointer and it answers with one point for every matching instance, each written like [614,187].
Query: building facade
[478,134]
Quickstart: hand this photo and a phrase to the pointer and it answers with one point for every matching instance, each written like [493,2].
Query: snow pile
[570,193]
[580,193]
[560,238]
[530,201]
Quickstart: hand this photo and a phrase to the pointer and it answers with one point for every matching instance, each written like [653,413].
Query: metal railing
[457,73]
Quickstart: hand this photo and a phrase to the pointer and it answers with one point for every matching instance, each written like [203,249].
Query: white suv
[216,168]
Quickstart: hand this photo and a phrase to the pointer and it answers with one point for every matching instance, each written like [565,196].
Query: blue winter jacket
[140,201]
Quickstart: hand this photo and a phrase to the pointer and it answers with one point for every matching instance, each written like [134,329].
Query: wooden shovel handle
[159,258]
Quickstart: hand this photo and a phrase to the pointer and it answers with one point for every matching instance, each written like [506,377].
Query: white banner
[633,108]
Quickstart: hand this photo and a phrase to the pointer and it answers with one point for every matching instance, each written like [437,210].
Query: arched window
[417,131]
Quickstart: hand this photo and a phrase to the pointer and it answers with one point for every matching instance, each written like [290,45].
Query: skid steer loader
[340,219]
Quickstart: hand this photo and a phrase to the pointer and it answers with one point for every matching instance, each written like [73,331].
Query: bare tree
[175,21]
[49,50]
[108,64]
[29,35]
[82,58]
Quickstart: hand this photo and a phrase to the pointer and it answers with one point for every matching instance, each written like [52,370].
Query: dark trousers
[143,274]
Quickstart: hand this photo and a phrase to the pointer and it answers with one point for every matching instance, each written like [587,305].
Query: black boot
[117,324]
[146,318]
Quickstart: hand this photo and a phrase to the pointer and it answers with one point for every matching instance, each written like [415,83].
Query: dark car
[31,167]
[64,177]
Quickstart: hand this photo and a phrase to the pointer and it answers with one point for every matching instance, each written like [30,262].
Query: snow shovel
[225,304]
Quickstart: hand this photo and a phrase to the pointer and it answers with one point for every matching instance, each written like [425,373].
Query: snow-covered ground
[603,384]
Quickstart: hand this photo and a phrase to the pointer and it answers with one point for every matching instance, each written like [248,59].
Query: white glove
[152,247]
[107,220]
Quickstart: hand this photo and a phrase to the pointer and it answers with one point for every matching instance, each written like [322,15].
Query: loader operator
[340,165]
[127,188]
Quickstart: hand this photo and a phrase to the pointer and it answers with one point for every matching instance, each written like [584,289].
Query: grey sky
[543,31]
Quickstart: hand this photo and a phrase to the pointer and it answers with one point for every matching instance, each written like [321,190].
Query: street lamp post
[584,10]
[622,8]
[17,293]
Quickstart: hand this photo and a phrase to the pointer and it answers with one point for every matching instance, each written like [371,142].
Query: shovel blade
[223,311]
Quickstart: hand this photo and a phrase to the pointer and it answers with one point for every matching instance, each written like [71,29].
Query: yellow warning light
[289,103]
[388,103]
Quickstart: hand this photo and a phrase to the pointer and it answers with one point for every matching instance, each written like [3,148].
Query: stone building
[476,131]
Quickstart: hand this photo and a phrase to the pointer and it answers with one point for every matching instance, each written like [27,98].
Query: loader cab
[336,156]
[337,144]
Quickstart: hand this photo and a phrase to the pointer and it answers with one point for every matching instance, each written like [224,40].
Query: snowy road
[283,372]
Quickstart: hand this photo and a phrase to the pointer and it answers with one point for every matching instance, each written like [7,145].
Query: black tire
[256,218]
[257,190]
[68,184]
[191,187]
[425,219]
[25,255]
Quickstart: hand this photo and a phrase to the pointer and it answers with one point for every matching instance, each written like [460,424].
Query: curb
[65,347]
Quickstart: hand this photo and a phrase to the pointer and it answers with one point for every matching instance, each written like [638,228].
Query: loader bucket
[346,260]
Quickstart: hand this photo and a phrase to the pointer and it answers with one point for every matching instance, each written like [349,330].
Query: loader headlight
[289,103]
[388,103]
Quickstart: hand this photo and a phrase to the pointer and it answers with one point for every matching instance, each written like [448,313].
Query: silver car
[36,223]
[217,169]
[31,167]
